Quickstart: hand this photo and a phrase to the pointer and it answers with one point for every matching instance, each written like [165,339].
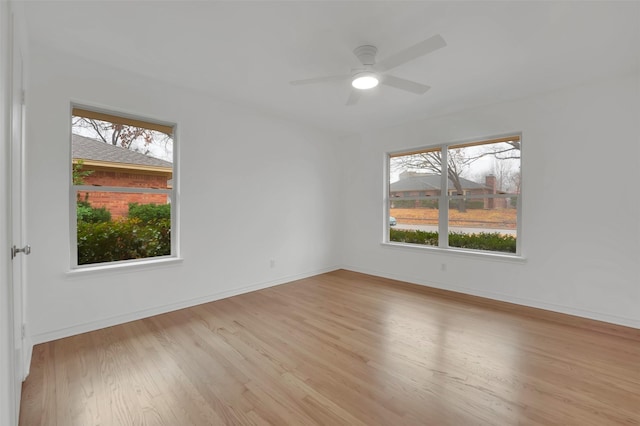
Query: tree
[120,134]
[78,174]
[460,158]
[504,174]
[457,163]
[505,151]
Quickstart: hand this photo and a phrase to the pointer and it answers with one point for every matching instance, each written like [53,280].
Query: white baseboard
[28,352]
[145,313]
[623,321]
[120,319]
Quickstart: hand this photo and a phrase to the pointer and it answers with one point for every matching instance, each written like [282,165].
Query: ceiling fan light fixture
[365,80]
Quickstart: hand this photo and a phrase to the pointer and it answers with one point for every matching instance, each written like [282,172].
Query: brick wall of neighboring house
[494,203]
[118,203]
[435,193]
[490,187]
[491,182]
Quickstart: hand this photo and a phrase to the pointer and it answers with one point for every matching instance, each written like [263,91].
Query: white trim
[8,397]
[478,254]
[443,202]
[562,309]
[27,349]
[124,265]
[519,233]
[73,206]
[174,197]
[145,313]
[386,200]
[456,197]
[122,189]
[479,196]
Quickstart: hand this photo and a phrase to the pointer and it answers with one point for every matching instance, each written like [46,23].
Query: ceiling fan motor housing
[366,54]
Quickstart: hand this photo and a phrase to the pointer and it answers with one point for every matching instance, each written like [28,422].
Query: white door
[19,249]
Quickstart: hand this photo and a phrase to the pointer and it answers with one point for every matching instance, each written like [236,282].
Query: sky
[478,169]
[157,149]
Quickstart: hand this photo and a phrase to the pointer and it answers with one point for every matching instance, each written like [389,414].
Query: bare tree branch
[138,139]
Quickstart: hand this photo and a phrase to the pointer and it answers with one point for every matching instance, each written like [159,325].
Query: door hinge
[23,97]
[23,330]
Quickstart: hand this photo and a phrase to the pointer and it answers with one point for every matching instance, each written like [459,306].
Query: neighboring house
[116,166]
[415,184]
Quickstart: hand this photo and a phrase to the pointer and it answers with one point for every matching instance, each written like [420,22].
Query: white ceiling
[247,52]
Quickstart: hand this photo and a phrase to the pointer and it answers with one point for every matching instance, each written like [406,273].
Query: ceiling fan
[371,73]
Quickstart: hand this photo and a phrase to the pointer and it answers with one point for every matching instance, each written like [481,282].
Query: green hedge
[414,237]
[86,213]
[149,212]
[122,240]
[493,241]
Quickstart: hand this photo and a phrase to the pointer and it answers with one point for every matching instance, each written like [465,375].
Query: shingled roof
[84,148]
[410,181]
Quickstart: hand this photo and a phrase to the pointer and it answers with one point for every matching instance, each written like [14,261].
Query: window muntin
[121,191]
[479,209]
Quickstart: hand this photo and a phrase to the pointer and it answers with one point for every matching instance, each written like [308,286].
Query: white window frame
[444,198]
[172,193]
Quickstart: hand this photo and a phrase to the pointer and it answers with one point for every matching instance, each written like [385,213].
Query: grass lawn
[475,218]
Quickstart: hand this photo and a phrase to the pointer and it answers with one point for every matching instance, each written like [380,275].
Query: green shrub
[88,214]
[122,240]
[149,212]
[493,241]
[414,237]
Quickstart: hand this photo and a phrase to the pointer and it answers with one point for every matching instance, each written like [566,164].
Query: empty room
[320,213]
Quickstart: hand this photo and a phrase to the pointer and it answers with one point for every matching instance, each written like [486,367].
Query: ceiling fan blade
[354,97]
[417,50]
[328,78]
[402,84]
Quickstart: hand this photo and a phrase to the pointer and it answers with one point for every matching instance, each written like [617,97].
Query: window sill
[501,257]
[126,266]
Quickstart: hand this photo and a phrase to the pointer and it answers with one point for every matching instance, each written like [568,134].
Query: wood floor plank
[341,348]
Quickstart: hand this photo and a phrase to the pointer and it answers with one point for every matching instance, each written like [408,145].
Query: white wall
[255,187]
[581,207]
[252,188]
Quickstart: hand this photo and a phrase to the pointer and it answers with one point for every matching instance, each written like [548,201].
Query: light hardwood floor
[341,349]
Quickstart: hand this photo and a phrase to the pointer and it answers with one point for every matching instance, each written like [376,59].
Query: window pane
[122,172]
[415,175]
[118,204]
[101,164]
[113,226]
[111,154]
[414,191]
[478,169]
[484,224]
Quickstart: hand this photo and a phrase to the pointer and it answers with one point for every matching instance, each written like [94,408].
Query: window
[463,195]
[122,188]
